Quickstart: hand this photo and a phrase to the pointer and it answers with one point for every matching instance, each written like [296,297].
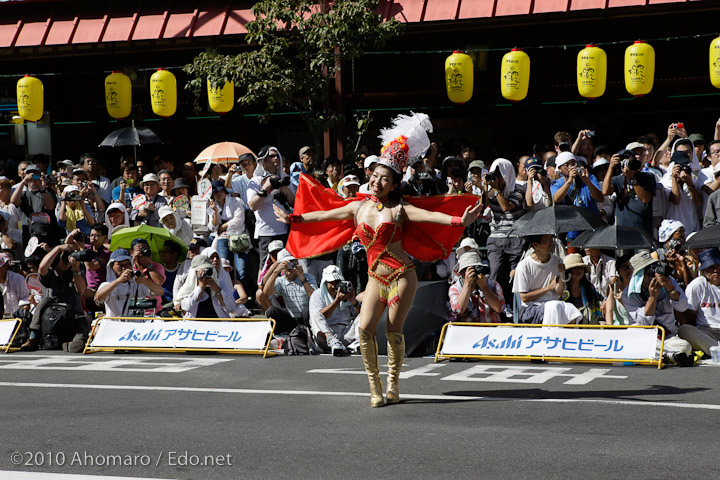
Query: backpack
[54,327]
[298,341]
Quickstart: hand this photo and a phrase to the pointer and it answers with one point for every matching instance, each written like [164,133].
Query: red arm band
[456,221]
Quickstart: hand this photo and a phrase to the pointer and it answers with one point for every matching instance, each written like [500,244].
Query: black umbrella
[135,136]
[427,314]
[615,237]
[705,238]
[556,219]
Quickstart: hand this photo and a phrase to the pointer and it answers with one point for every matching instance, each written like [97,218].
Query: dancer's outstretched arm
[345,212]
[420,215]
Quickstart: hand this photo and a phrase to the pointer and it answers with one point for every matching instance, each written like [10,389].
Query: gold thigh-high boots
[396,353]
[368,349]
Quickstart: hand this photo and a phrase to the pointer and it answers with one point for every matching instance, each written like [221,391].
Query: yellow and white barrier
[563,343]
[8,330]
[226,335]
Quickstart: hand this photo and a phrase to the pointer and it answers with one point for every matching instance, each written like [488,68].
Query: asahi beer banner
[626,344]
[182,334]
[7,329]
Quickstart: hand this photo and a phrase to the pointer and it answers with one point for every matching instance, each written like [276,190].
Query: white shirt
[266,225]
[190,303]
[685,211]
[600,275]
[14,291]
[227,212]
[240,185]
[704,298]
[116,304]
[531,275]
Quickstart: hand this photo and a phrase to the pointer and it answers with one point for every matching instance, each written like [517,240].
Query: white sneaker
[336,346]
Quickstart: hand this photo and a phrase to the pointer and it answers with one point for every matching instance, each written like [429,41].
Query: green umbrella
[156,238]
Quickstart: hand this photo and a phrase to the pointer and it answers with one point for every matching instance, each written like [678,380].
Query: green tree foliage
[299,45]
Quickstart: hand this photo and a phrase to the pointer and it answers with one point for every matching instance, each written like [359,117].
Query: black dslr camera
[674,245]
[660,268]
[83,255]
[145,251]
[276,183]
[482,269]
[686,168]
[492,177]
[345,286]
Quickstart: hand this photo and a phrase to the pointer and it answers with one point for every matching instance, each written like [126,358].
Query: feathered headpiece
[407,138]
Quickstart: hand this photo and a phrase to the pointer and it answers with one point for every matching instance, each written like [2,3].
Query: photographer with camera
[30,196]
[473,296]
[652,297]
[63,286]
[94,256]
[683,187]
[672,236]
[293,288]
[143,265]
[334,312]
[201,296]
[269,186]
[73,212]
[420,183]
[576,186]
[117,294]
[537,189]
[634,189]
[12,286]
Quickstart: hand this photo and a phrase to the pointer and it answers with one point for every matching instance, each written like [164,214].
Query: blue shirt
[578,195]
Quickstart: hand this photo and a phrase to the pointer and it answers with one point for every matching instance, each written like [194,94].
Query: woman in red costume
[388,226]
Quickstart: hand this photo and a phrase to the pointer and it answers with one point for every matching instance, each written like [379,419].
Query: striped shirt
[503,221]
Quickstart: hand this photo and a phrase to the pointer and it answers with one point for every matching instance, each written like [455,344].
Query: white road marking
[107,364]
[405,396]
[11,474]
[488,373]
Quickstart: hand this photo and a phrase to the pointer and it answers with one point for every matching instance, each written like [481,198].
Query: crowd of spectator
[59,268]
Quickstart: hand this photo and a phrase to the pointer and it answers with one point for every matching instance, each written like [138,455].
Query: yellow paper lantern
[515,75]
[591,71]
[221,100]
[715,62]
[639,68]
[30,98]
[459,77]
[163,93]
[118,95]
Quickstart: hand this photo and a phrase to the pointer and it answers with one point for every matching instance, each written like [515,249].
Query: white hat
[667,228]
[369,160]
[600,162]
[469,259]
[284,256]
[350,180]
[332,273]
[71,188]
[634,145]
[164,211]
[469,242]
[563,158]
[275,245]
[150,177]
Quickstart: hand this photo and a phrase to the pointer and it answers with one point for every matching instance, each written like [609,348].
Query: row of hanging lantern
[591,72]
[118,95]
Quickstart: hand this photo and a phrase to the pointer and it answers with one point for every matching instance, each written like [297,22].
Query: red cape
[424,241]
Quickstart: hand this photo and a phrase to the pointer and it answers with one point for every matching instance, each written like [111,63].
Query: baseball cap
[198,242]
[225,263]
[600,162]
[369,160]
[275,245]
[476,164]
[66,163]
[634,145]
[680,158]
[350,180]
[563,158]
[697,138]
[119,255]
[551,162]
[218,186]
[305,150]
[32,168]
[4,258]
[284,256]
[332,273]
[533,162]
[137,241]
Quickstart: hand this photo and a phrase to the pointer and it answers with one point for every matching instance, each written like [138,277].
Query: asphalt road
[230,417]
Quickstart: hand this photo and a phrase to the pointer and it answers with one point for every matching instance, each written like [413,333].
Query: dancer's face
[381,182]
